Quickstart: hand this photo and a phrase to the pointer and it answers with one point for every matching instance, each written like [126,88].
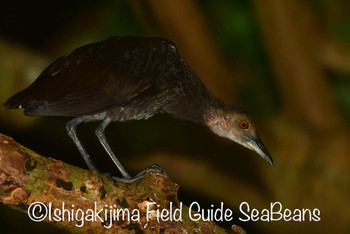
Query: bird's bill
[257,145]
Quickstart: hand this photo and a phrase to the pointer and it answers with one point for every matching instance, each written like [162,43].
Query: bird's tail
[18,100]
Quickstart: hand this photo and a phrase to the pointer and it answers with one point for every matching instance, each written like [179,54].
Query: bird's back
[128,77]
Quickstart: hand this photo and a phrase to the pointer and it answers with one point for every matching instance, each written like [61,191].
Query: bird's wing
[99,76]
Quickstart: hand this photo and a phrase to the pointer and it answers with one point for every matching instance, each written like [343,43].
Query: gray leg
[71,129]
[100,133]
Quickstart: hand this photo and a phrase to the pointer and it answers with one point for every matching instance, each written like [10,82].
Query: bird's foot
[153,166]
[109,176]
[139,175]
[118,179]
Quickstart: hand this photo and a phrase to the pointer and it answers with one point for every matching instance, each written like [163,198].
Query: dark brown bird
[129,78]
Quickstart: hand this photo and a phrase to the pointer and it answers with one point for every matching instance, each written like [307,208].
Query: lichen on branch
[27,178]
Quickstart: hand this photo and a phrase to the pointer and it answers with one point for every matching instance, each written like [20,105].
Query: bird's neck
[208,111]
[216,118]
[199,108]
[213,111]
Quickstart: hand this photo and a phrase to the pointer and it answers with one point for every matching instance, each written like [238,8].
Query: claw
[139,175]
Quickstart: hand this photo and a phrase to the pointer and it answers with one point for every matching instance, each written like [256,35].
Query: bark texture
[26,177]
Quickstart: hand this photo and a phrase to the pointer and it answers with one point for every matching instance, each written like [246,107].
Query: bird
[131,78]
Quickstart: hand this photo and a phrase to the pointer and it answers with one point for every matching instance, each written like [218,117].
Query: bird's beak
[257,145]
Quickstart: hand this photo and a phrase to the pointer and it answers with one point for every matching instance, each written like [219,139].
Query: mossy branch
[26,177]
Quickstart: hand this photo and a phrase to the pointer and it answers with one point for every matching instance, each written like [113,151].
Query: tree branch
[302,83]
[334,55]
[26,177]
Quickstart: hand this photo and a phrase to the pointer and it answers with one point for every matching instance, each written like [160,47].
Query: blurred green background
[287,62]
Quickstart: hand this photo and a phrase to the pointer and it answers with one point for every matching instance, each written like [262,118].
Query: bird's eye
[244,124]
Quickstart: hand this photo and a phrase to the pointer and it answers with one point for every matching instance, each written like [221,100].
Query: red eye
[244,124]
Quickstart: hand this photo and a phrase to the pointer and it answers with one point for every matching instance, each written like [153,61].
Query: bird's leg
[100,133]
[71,129]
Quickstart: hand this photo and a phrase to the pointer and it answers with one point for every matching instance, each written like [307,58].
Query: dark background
[287,62]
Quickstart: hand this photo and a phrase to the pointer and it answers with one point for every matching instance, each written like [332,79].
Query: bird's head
[232,122]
